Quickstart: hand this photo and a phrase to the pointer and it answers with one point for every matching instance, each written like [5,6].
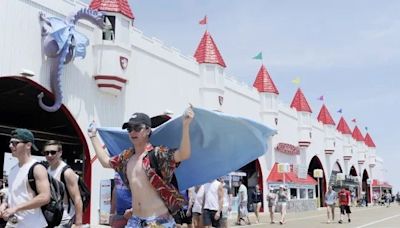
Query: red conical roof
[357,134]
[264,83]
[325,117]
[117,6]
[368,141]
[300,102]
[343,127]
[207,51]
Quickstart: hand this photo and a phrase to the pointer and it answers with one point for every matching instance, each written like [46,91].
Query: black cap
[24,135]
[137,118]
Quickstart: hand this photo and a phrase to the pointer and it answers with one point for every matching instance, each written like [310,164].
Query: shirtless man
[149,207]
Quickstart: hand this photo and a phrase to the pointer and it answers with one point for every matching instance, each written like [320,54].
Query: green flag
[258,56]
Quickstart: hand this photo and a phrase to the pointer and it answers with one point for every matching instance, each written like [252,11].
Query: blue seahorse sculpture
[62,43]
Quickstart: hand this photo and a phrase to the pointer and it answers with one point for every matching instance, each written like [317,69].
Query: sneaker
[272,222]
[329,221]
[340,221]
[349,220]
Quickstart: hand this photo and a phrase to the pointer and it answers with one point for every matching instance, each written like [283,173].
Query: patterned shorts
[162,221]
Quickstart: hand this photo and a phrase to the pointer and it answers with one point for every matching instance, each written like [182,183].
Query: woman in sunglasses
[153,198]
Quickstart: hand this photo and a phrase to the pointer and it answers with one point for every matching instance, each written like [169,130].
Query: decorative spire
[264,83]
[300,102]
[116,6]
[343,127]
[207,51]
[357,135]
[368,141]
[325,117]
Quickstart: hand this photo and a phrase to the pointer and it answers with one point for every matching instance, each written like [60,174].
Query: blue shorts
[165,221]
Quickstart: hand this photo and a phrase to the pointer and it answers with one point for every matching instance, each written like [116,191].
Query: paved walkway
[361,217]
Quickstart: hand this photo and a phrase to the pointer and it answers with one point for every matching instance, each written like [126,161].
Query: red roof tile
[290,177]
[207,51]
[343,127]
[368,141]
[117,6]
[264,83]
[357,134]
[300,102]
[377,183]
[325,117]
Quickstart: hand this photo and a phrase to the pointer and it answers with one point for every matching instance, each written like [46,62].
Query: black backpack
[83,190]
[53,211]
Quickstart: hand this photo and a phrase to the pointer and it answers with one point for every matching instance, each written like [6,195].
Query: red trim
[87,166]
[110,77]
[290,177]
[347,157]
[329,151]
[104,85]
[93,159]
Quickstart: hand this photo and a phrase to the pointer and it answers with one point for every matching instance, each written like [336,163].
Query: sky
[347,51]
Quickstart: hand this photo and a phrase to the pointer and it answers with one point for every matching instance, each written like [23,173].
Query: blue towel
[220,144]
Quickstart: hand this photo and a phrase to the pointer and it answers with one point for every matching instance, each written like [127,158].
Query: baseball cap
[24,135]
[138,118]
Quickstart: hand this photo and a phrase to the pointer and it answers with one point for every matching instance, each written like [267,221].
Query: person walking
[72,214]
[197,208]
[282,202]
[344,202]
[330,201]
[271,199]
[227,204]
[213,202]
[150,206]
[243,213]
[121,203]
[257,199]
[22,208]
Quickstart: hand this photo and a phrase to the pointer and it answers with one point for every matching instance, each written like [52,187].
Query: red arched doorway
[365,185]
[315,163]
[19,109]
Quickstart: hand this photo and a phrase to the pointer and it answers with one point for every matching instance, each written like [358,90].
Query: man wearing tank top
[72,210]
[213,202]
[23,206]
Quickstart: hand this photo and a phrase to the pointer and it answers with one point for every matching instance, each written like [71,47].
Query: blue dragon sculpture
[61,44]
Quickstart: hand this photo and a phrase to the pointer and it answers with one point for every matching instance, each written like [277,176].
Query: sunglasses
[14,143]
[136,128]
[47,152]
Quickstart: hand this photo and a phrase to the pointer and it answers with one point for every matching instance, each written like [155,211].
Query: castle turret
[329,129]
[304,118]
[361,147]
[343,128]
[114,42]
[212,67]
[268,97]
[371,150]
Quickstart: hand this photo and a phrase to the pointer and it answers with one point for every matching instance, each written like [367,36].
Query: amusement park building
[125,71]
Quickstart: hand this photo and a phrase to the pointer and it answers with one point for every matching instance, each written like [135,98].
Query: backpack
[83,190]
[53,211]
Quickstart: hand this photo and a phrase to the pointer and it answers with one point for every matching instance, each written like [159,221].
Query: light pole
[318,173]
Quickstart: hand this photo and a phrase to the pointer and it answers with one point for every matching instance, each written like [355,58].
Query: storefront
[300,189]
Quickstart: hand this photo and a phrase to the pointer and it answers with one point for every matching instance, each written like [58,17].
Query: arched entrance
[315,163]
[333,177]
[353,171]
[365,185]
[19,109]
[253,176]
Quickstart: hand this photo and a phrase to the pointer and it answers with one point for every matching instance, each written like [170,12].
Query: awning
[290,177]
[380,184]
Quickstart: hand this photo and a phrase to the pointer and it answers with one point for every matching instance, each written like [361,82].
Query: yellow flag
[296,81]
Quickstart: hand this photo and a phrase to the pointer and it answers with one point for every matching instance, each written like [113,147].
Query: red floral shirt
[165,159]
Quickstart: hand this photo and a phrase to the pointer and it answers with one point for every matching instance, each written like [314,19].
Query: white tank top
[198,200]
[211,195]
[56,173]
[19,192]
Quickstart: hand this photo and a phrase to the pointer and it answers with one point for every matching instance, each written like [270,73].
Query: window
[302,193]
[109,30]
[310,193]
[293,193]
